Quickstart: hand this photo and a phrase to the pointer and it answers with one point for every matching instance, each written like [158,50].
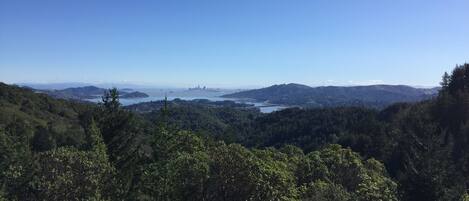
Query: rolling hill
[89,92]
[377,96]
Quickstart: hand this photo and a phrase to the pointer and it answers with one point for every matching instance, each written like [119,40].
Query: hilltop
[88,92]
[376,96]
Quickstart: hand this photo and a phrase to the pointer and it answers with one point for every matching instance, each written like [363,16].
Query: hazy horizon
[120,85]
[232,44]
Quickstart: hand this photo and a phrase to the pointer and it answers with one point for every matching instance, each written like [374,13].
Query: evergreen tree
[445,81]
[95,140]
[110,100]
[120,130]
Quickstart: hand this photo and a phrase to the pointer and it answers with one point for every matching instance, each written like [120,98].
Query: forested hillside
[373,96]
[60,150]
[221,120]
[87,92]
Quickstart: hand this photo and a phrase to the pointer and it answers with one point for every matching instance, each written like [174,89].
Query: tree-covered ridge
[373,96]
[59,150]
[88,92]
[153,106]
[224,120]
[25,113]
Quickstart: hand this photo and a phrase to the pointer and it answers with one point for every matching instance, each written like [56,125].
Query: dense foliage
[223,120]
[60,150]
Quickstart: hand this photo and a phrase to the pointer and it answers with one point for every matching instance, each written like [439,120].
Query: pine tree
[445,81]
[95,140]
[164,113]
[120,130]
[111,99]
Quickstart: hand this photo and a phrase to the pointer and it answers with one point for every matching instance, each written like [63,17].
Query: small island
[135,94]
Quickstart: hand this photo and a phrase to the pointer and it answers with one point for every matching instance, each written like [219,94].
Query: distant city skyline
[234,43]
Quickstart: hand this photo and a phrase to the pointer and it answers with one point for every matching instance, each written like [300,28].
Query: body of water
[183,94]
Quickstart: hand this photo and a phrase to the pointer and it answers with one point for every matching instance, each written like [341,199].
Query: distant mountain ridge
[88,92]
[376,96]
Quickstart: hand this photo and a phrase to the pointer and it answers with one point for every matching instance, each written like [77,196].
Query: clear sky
[232,42]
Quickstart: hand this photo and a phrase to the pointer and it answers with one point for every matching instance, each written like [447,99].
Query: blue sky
[232,43]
